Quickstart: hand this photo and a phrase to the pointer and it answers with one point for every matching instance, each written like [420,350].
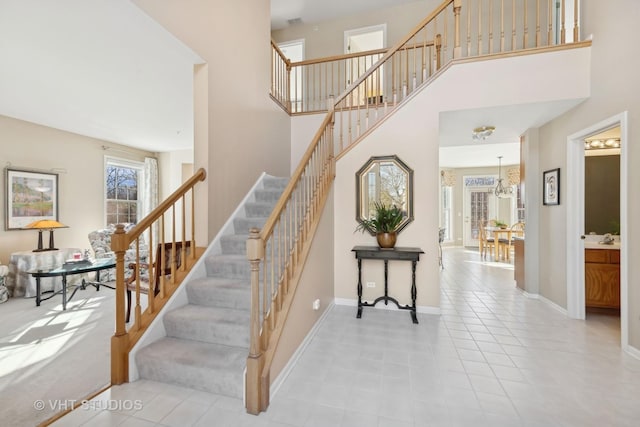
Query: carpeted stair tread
[213,368]
[220,292]
[209,324]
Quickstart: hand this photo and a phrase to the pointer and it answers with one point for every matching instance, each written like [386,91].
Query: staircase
[207,340]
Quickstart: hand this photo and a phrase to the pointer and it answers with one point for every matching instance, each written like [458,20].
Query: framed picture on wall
[30,196]
[551,187]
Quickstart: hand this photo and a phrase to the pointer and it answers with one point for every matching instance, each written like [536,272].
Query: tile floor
[493,358]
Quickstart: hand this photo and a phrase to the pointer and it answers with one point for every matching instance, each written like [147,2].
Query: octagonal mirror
[387,180]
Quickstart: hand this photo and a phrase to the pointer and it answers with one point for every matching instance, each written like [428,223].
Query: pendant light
[501,190]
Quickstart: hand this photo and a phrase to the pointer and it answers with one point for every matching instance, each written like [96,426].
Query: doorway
[363,40]
[576,221]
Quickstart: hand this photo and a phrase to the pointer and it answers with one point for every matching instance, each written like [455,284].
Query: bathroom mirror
[388,180]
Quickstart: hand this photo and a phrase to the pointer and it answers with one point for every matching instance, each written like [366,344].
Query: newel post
[457,49]
[288,89]
[120,340]
[256,396]
[438,51]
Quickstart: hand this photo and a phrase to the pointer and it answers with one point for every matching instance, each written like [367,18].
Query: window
[123,188]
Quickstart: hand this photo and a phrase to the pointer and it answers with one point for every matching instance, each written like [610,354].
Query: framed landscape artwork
[551,187]
[30,196]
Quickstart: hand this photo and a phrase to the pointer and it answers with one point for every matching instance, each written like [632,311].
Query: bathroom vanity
[602,275]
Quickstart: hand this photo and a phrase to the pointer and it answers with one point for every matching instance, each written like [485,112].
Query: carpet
[50,357]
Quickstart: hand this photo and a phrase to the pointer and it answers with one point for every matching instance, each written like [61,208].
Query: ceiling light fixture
[596,144]
[483,132]
[501,190]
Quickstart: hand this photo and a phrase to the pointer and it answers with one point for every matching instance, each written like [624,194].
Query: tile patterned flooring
[493,358]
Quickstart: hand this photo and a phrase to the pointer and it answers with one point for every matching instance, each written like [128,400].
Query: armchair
[100,241]
[4,293]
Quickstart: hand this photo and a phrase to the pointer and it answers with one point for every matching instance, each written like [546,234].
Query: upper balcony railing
[456,29]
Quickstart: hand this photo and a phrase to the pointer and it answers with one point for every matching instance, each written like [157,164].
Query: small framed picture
[551,187]
[30,196]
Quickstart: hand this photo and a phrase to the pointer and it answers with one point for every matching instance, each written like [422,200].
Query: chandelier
[501,190]
[481,133]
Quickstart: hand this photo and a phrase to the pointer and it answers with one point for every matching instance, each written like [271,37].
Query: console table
[395,254]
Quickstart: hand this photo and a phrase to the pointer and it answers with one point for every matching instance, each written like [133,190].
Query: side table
[22,284]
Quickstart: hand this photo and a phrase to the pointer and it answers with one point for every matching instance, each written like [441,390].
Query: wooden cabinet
[602,278]
[518,262]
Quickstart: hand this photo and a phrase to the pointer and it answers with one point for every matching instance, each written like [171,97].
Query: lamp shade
[45,224]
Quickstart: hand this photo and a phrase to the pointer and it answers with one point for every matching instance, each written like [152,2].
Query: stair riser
[234,246]
[243,225]
[258,210]
[268,196]
[208,331]
[198,378]
[275,183]
[233,269]
[239,298]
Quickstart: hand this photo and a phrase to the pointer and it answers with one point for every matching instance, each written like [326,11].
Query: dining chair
[168,257]
[486,243]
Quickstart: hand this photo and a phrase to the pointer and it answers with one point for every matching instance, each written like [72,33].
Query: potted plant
[501,224]
[384,224]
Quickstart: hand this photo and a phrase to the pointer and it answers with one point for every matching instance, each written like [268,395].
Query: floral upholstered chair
[100,241]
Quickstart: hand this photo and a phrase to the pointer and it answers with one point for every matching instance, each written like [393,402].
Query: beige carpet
[50,357]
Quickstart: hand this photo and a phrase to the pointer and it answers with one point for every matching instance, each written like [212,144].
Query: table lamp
[45,224]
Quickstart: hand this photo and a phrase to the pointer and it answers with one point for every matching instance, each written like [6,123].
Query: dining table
[504,234]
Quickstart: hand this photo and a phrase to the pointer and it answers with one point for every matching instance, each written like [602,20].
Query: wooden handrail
[275,47]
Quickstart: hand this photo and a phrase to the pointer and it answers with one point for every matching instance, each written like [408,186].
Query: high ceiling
[100,68]
[104,69]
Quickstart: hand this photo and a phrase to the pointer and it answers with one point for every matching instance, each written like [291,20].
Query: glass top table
[70,268]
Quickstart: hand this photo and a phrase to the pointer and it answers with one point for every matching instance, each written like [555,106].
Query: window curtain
[150,193]
[448,178]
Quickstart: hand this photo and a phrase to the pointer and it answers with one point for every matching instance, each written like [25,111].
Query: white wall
[303,129]
[246,132]
[614,90]
[412,134]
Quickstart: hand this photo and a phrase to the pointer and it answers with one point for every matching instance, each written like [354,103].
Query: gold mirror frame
[385,179]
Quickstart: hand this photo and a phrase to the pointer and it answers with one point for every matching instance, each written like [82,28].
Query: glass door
[479,205]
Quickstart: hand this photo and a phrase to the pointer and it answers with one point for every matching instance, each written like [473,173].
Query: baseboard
[277,383]
[632,351]
[553,305]
[423,309]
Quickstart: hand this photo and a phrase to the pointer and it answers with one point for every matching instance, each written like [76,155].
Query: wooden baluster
[288,87]
[479,27]
[563,37]
[525,37]
[457,49]
[438,47]
[538,34]
[490,26]
[501,25]
[513,25]
[468,28]
[550,23]
[576,29]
